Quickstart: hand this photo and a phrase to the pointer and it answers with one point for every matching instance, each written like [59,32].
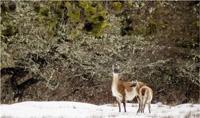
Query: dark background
[65,50]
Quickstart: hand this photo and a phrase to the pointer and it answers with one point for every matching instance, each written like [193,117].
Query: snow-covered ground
[57,109]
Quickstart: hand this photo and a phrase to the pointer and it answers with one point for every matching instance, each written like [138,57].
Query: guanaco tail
[144,95]
[122,90]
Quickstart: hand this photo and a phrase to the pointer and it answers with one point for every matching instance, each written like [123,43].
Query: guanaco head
[115,68]
[134,83]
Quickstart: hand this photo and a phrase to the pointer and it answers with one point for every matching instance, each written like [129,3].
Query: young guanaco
[122,90]
[144,95]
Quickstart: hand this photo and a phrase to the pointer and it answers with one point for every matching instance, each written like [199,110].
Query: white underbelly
[115,93]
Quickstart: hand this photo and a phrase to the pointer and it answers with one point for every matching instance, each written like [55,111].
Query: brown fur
[124,85]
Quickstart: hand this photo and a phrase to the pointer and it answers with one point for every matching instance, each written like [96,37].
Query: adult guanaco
[121,89]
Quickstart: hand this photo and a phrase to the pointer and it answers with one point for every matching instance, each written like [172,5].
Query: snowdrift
[58,109]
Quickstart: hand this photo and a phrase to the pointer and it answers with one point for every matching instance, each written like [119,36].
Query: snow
[66,109]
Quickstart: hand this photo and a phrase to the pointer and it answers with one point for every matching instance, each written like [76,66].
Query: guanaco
[122,90]
[144,95]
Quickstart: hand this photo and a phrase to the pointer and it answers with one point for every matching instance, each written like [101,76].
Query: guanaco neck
[115,77]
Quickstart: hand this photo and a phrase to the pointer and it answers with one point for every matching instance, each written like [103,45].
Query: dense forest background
[64,50]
